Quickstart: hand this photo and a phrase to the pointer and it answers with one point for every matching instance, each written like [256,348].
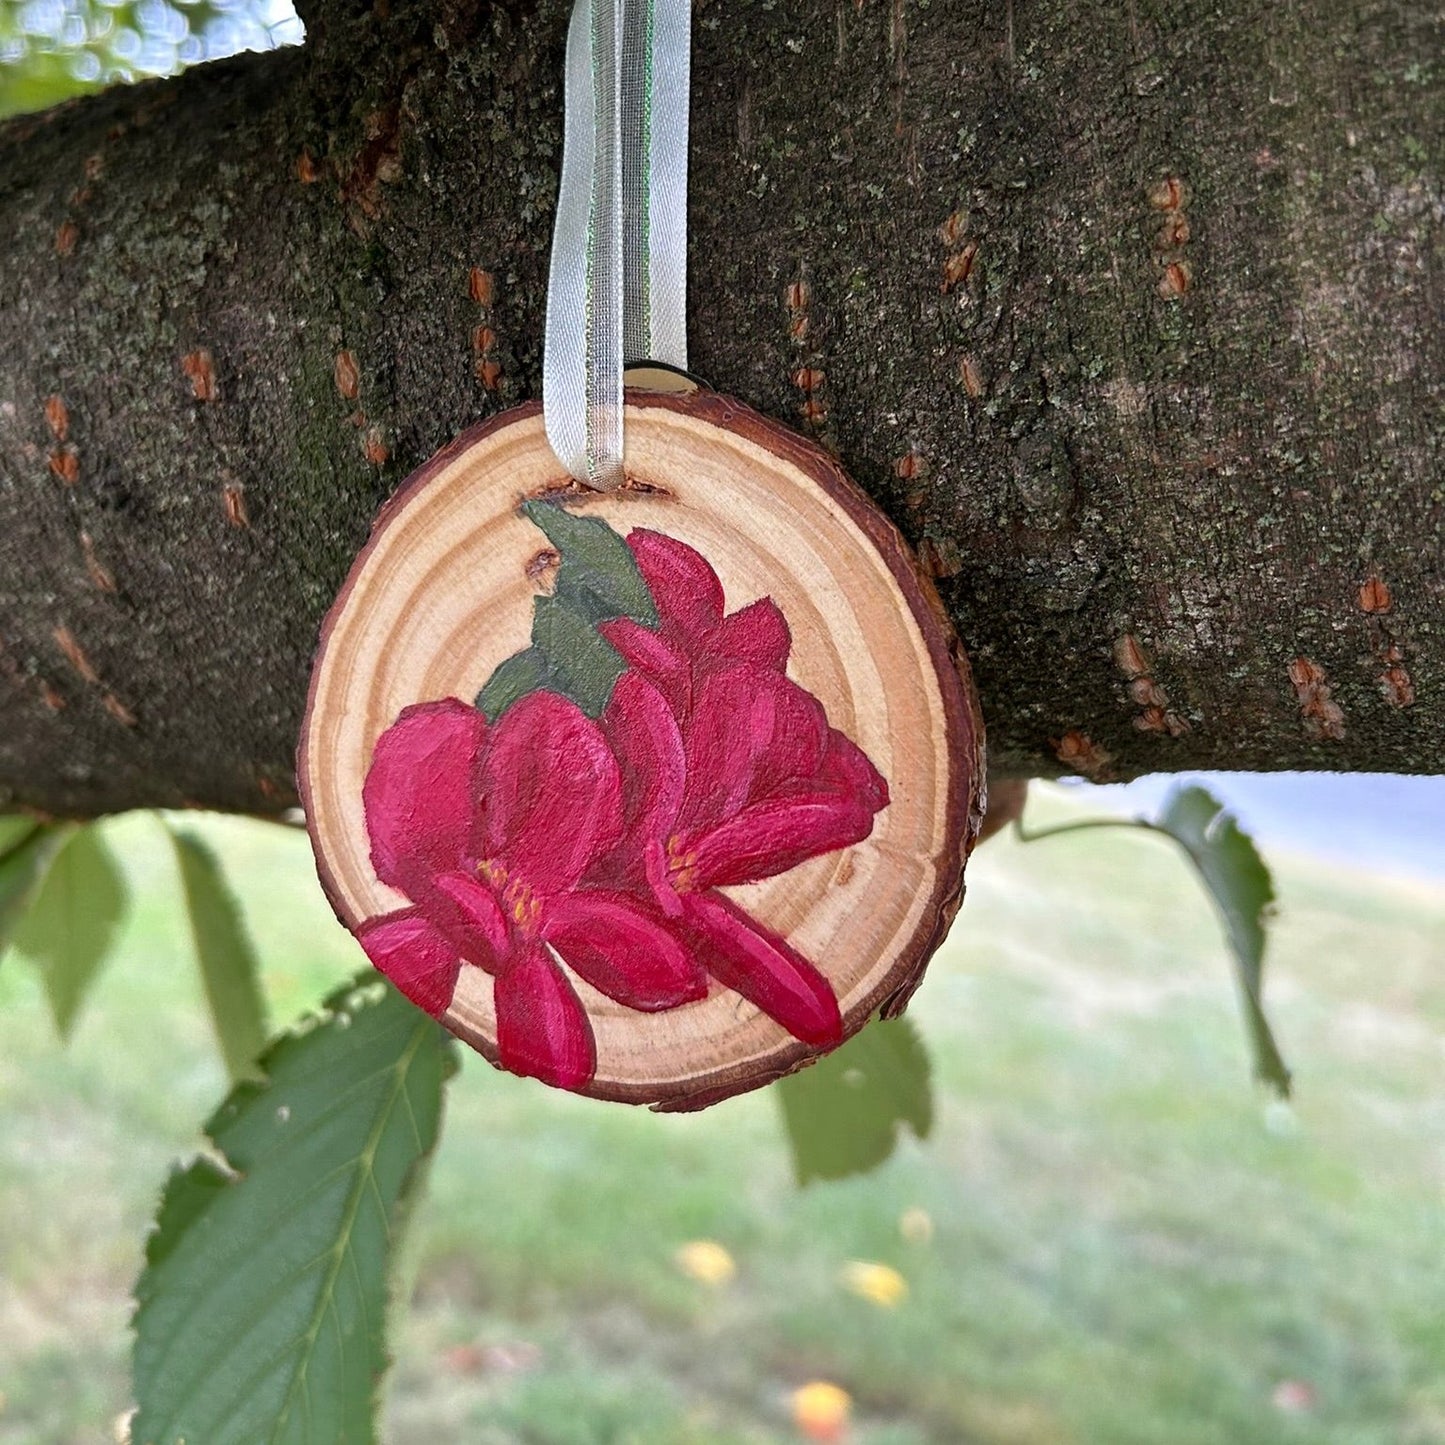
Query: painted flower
[546,844]
[489,831]
[731,774]
[695,635]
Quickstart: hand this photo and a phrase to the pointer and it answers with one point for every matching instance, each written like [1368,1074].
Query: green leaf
[70,927]
[597,581]
[224,955]
[582,664]
[260,1312]
[1239,883]
[15,829]
[521,673]
[26,851]
[843,1113]
[598,574]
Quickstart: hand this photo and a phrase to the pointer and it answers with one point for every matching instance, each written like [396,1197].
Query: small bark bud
[57,417]
[951,231]
[375,447]
[233,501]
[1375,596]
[65,464]
[1176,280]
[1168,194]
[348,375]
[200,370]
[959,267]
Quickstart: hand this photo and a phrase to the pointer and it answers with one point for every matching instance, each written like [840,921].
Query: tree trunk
[1129,316]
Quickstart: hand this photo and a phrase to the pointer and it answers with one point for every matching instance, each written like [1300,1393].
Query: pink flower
[489,830]
[731,774]
[548,844]
[695,635]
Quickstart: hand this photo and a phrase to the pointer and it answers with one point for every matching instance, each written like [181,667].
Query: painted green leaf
[582,664]
[844,1113]
[260,1312]
[568,656]
[26,850]
[597,580]
[229,971]
[70,927]
[597,573]
[1240,885]
[521,673]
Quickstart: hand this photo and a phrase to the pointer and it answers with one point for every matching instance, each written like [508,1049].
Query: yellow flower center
[681,867]
[520,904]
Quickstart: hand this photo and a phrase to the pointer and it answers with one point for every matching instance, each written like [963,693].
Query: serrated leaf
[1239,883]
[188,1194]
[28,853]
[230,974]
[844,1113]
[521,673]
[598,572]
[70,927]
[260,1312]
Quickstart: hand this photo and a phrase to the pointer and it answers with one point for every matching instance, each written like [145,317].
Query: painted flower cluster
[548,844]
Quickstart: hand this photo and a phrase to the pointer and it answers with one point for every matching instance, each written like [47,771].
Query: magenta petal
[542,1031]
[475,914]
[754,733]
[551,792]
[416,957]
[848,769]
[790,733]
[765,970]
[757,634]
[420,792]
[684,586]
[643,732]
[642,647]
[623,952]
[656,656]
[772,836]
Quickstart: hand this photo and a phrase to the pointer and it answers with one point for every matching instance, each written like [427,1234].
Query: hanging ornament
[639,750]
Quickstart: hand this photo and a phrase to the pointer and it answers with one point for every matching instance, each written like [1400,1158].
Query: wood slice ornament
[654,794]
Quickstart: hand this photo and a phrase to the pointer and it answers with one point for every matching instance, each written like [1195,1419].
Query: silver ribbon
[617,291]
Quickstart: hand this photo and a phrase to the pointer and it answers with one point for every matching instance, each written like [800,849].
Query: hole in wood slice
[712,807]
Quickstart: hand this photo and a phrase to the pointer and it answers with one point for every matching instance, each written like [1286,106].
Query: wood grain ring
[442,592]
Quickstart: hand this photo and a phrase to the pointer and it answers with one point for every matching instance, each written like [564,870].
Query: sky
[1378,822]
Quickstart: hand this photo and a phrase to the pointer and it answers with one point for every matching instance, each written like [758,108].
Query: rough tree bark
[1129,315]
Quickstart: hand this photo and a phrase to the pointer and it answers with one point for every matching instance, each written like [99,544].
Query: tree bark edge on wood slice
[446,591]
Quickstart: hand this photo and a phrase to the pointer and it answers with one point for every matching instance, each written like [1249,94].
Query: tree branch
[1129,317]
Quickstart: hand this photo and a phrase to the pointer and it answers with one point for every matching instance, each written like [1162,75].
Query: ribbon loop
[617,290]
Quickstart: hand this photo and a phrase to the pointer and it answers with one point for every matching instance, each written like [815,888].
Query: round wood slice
[444,590]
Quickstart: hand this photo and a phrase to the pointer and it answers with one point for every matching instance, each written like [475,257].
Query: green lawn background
[1131,1244]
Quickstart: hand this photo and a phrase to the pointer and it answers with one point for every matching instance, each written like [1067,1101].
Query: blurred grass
[1131,1244]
